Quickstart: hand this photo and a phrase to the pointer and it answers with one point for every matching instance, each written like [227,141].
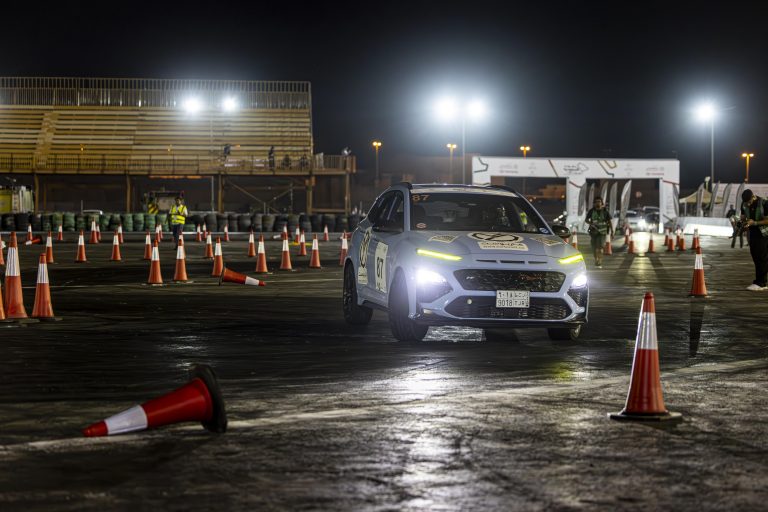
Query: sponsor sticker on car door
[381,267]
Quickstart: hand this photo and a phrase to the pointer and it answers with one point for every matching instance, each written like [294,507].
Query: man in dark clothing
[754,211]
[600,226]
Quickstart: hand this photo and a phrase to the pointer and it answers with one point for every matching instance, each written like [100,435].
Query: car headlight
[438,255]
[430,285]
[427,277]
[572,259]
[580,281]
[641,223]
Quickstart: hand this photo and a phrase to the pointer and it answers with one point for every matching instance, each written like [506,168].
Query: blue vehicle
[463,255]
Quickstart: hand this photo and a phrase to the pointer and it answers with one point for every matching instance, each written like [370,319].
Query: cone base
[218,421]
[49,318]
[183,282]
[22,320]
[670,417]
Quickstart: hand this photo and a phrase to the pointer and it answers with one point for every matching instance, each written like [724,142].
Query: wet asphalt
[324,416]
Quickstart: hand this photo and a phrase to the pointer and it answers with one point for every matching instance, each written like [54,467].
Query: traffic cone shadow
[696,320]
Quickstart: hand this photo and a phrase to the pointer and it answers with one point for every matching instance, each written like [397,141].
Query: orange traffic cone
[155,276]
[651,248]
[43,308]
[670,243]
[205,230]
[60,234]
[681,242]
[575,240]
[120,234]
[34,241]
[94,237]
[261,262]
[198,233]
[29,233]
[80,257]
[695,244]
[208,247]
[2,259]
[344,250]
[49,249]
[230,276]
[285,263]
[296,236]
[198,400]
[218,259]
[698,287]
[666,237]
[325,234]
[158,234]
[148,247]
[180,275]
[645,400]
[608,249]
[98,232]
[251,246]
[14,301]
[314,261]
[626,235]
[2,308]
[285,232]
[115,248]
[302,245]
[226,232]
[631,246]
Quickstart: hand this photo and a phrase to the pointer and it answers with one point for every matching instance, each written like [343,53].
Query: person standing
[754,212]
[600,226]
[179,216]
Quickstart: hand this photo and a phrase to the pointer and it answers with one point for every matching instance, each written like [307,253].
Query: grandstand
[161,128]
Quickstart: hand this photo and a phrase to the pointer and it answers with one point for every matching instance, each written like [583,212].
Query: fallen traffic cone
[14,300]
[230,276]
[80,257]
[575,240]
[115,248]
[198,233]
[36,240]
[325,234]
[120,234]
[180,275]
[208,247]
[631,246]
[285,263]
[60,234]
[148,247]
[43,308]
[302,245]
[218,259]
[198,400]
[261,262]
[94,237]
[226,232]
[695,244]
[651,248]
[251,246]
[29,233]
[698,287]
[645,400]
[155,276]
[314,261]
[344,250]
[49,249]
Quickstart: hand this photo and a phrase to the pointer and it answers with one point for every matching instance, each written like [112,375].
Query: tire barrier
[68,222]
[150,221]
[267,222]
[256,221]
[329,220]
[342,223]
[80,222]
[243,223]
[210,222]
[317,222]
[138,222]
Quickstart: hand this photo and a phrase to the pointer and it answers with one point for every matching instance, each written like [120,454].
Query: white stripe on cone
[646,332]
[699,264]
[261,247]
[250,238]
[13,263]
[217,250]
[42,274]
[285,245]
[251,281]
[155,253]
[208,239]
[344,244]
[314,244]
[130,420]
[180,255]
[49,242]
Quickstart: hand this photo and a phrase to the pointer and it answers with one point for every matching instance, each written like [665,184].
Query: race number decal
[381,267]
[499,241]
[362,271]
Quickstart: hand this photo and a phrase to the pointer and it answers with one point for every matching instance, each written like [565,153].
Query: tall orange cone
[60,234]
[148,247]
[226,232]
[158,234]
[698,287]
[155,275]
[218,259]
[198,400]
[261,262]
[302,245]
[43,308]
[631,246]
[2,259]
[251,246]
[681,242]
[285,232]
[180,275]
[285,263]
[314,261]
[608,249]
[2,308]
[14,301]
[230,276]
[645,400]
[49,248]
[29,233]
[198,233]
[94,237]
[98,232]
[651,247]
[575,240]
[115,248]
[325,233]
[296,236]
[80,257]
[666,237]
[344,250]
[120,234]
[208,247]
[205,231]
[626,235]
[695,244]
[670,243]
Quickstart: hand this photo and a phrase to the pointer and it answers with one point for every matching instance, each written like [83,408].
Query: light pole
[451,148]
[376,145]
[707,113]
[448,108]
[525,150]
[747,156]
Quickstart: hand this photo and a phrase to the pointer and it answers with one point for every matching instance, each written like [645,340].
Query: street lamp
[451,147]
[707,113]
[448,108]
[525,150]
[376,145]
[747,156]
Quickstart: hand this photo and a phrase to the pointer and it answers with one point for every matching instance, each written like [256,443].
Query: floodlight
[229,104]
[476,110]
[446,108]
[192,105]
[706,112]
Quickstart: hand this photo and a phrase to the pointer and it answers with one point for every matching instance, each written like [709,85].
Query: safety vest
[745,209]
[152,208]
[178,214]
[599,219]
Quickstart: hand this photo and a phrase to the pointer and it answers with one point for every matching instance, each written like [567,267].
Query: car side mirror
[561,231]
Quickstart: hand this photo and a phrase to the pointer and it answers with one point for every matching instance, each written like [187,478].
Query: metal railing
[138,93]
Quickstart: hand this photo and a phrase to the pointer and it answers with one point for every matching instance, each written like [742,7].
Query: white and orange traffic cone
[326,238]
[631,246]
[115,248]
[120,234]
[695,244]
[49,249]
[208,247]
[666,237]
[651,247]
[30,237]
[98,232]
[608,249]
[218,259]
[681,242]
[60,234]
[2,246]
[14,300]
[645,400]
[148,247]
[285,233]
[314,261]
[670,243]
[296,236]
[344,250]
[155,275]
[627,231]
[302,245]
[226,232]
[205,231]
[261,262]
[158,234]
[94,239]
[180,274]
[2,308]
[198,233]
[43,309]
[80,256]
[198,400]
[575,240]
[35,240]
[698,286]
[251,246]
[230,276]
[285,262]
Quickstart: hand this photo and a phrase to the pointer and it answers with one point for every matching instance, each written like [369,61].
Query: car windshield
[468,212]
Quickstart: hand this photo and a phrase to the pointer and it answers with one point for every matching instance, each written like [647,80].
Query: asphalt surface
[323,416]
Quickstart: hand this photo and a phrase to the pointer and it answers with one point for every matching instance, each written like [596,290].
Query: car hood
[492,243]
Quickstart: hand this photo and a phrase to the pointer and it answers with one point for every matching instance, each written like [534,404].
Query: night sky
[581,79]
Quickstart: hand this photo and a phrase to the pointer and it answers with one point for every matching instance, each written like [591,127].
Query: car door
[386,231]
[365,263]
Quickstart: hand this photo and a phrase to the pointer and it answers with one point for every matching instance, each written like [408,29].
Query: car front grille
[485,307]
[491,280]
[579,295]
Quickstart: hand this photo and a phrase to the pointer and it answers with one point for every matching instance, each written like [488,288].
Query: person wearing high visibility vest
[600,227]
[179,214]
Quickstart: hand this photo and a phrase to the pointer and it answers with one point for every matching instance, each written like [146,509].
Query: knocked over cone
[230,276]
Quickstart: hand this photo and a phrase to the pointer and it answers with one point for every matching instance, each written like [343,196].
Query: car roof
[434,188]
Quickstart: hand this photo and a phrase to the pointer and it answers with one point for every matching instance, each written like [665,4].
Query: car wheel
[403,328]
[353,314]
[500,335]
[565,334]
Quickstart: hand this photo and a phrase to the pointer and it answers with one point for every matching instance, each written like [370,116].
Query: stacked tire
[268,222]
[68,221]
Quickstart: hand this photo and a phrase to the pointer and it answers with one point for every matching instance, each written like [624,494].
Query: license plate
[512,299]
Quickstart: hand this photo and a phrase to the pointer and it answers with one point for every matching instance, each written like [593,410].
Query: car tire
[566,334]
[353,314]
[403,328]
[500,335]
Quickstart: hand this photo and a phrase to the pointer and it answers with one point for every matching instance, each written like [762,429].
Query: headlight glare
[580,281]
[427,277]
